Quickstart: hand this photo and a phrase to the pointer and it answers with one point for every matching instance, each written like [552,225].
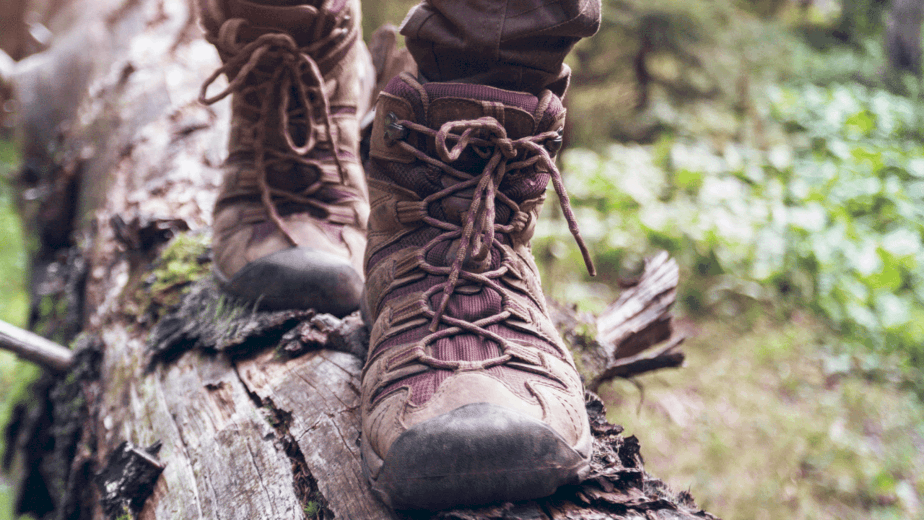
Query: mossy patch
[312,509]
[184,260]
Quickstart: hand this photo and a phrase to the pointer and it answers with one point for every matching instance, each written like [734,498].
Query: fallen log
[245,414]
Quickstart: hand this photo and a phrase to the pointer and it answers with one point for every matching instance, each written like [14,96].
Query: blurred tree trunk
[182,404]
[860,19]
[903,35]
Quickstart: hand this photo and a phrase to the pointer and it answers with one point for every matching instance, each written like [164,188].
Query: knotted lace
[293,87]
[478,233]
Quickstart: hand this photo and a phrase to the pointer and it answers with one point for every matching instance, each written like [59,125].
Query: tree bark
[180,403]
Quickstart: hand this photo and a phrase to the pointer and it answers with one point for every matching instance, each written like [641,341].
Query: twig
[34,348]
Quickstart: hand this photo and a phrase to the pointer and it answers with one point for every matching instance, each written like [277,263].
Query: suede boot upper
[290,219]
[460,333]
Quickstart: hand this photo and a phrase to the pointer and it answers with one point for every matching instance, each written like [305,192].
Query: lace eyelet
[554,145]
[393,131]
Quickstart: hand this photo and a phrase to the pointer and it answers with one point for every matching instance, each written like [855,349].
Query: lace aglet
[588,261]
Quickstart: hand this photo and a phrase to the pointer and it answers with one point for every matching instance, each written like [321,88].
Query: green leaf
[862,123]
[688,180]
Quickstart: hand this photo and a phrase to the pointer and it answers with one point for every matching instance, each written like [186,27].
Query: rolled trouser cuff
[511,44]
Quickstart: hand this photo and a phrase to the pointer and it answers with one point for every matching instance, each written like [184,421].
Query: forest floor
[767,421]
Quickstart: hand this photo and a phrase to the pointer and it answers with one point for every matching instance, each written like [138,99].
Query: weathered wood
[35,348]
[640,317]
[320,391]
[666,356]
[618,342]
[255,419]
[313,399]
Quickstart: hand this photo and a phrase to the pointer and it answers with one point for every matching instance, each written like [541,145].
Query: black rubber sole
[298,278]
[476,454]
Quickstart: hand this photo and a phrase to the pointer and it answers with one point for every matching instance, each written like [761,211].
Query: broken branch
[34,348]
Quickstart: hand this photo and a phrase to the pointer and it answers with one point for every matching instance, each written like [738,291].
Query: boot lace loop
[296,84]
[477,234]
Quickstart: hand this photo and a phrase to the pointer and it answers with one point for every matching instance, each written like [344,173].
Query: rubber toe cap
[299,278]
[476,454]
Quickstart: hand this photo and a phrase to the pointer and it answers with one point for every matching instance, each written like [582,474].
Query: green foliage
[15,375]
[860,18]
[857,191]
[13,303]
[831,217]
[701,59]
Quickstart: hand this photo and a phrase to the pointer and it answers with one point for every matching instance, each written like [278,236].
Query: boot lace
[478,233]
[294,89]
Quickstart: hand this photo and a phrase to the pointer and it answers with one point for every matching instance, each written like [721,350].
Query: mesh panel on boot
[469,303]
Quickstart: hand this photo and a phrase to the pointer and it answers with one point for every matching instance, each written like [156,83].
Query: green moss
[126,514]
[183,261]
[311,509]
[227,310]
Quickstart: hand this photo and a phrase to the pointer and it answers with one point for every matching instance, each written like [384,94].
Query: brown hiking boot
[469,395]
[290,220]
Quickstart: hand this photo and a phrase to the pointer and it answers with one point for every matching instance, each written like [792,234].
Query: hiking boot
[469,395]
[290,220]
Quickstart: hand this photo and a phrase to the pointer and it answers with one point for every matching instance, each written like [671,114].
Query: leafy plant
[830,217]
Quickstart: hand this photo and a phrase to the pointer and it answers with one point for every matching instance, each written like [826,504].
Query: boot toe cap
[476,454]
[298,278]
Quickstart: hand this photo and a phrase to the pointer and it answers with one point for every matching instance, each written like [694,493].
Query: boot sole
[297,278]
[476,454]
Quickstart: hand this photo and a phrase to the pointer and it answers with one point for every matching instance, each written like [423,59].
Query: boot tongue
[520,100]
[435,104]
[295,20]
[466,102]
[293,17]
[456,206]
[452,102]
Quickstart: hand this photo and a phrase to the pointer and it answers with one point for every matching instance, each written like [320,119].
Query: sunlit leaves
[833,220]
